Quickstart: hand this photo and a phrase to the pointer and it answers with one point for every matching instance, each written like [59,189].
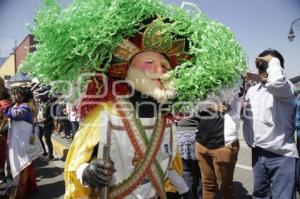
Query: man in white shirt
[269,129]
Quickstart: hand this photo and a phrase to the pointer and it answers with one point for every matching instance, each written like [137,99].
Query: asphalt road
[50,179]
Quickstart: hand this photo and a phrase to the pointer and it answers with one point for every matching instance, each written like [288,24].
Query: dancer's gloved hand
[98,173]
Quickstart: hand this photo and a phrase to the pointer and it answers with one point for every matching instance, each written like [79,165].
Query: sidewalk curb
[60,147]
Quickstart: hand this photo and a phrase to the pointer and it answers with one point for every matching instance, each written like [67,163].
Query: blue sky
[257,24]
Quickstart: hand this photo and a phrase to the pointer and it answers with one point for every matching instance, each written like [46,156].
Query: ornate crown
[156,37]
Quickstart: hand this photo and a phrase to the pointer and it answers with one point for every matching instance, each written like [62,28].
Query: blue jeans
[74,127]
[273,175]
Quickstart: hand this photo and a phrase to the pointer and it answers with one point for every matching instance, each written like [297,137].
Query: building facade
[12,63]
[25,47]
[7,69]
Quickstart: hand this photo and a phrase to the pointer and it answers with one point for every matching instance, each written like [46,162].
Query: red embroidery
[95,93]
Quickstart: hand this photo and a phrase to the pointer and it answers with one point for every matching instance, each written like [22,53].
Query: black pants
[74,127]
[46,130]
[192,176]
[66,125]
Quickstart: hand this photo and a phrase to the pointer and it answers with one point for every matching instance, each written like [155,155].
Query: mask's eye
[165,65]
[149,61]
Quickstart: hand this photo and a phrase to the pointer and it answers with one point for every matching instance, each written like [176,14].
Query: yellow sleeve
[175,165]
[81,151]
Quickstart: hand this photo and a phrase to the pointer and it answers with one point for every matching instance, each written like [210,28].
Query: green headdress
[84,38]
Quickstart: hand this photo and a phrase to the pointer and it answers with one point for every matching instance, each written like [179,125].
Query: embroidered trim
[148,154]
[156,174]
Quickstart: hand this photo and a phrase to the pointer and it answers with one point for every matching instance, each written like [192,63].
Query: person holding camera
[269,129]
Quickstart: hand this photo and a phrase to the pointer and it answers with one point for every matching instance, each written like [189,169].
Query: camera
[262,65]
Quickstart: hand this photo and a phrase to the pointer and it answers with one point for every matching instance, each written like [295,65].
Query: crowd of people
[27,123]
[18,142]
[55,116]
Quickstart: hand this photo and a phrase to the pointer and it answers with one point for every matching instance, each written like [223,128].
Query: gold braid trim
[124,188]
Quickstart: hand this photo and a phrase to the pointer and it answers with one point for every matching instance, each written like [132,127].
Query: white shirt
[269,113]
[73,116]
[232,121]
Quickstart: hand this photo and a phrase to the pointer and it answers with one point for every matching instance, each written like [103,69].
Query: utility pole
[14,50]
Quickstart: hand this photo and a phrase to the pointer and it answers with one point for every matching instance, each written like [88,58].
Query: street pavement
[50,179]
[243,173]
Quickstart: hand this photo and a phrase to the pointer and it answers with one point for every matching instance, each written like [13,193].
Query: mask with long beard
[148,75]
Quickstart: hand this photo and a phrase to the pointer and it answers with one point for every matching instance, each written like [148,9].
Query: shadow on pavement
[49,191]
[50,180]
[45,170]
[50,172]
